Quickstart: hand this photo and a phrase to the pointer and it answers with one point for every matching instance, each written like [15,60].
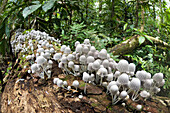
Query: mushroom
[75,84]
[85,79]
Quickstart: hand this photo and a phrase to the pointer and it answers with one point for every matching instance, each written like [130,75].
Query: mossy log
[133,43]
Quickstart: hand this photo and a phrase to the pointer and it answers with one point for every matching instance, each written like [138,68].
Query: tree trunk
[137,18]
[112,12]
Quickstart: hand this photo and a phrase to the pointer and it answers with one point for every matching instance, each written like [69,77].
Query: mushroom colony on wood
[96,67]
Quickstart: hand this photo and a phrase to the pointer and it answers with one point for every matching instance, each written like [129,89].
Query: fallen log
[133,43]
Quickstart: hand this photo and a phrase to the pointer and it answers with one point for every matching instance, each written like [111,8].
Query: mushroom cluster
[38,51]
[97,67]
[121,79]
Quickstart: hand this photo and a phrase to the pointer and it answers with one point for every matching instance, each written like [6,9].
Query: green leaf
[7,30]
[125,26]
[141,40]
[48,5]
[30,9]
[149,39]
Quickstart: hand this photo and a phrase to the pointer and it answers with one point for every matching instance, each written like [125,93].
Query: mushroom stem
[85,88]
[101,80]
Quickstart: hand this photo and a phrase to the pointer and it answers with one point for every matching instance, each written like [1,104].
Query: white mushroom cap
[34,67]
[158,77]
[61,65]
[102,72]
[86,41]
[142,75]
[76,67]
[40,50]
[82,59]
[77,43]
[112,65]
[64,60]
[123,94]
[111,83]
[96,54]
[110,77]
[70,57]
[114,89]
[135,84]
[40,60]
[79,48]
[86,77]
[63,48]
[105,63]
[138,107]
[65,83]
[50,62]
[123,79]
[90,59]
[55,80]
[75,84]
[96,65]
[123,66]
[67,50]
[57,56]
[59,83]
[70,64]
[89,68]
[102,54]
[90,53]
[148,75]
[92,49]
[131,67]
[144,94]
[148,83]
[85,49]
[161,83]
[117,73]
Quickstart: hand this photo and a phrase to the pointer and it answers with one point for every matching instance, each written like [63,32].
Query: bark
[133,43]
[137,18]
[112,13]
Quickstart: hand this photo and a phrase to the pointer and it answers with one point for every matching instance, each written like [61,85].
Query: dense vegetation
[106,23]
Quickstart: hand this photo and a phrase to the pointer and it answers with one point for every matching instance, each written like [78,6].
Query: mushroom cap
[117,73]
[161,83]
[76,67]
[92,49]
[77,43]
[96,54]
[86,77]
[144,94]
[85,49]
[105,63]
[90,59]
[148,75]
[79,48]
[61,65]
[40,50]
[63,48]
[114,89]
[148,83]
[59,83]
[123,66]
[138,107]
[123,79]
[111,83]
[34,67]
[67,50]
[64,60]
[96,65]
[110,77]
[89,67]
[90,53]
[75,83]
[55,80]
[102,54]
[112,65]
[82,59]
[57,56]
[70,64]
[123,94]
[40,60]
[102,72]
[158,77]
[142,75]
[70,57]
[50,62]
[65,83]
[131,67]
[135,84]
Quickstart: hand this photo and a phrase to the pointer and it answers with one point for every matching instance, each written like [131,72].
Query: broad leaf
[141,40]
[48,5]
[30,9]
[7,30]
[125,26]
